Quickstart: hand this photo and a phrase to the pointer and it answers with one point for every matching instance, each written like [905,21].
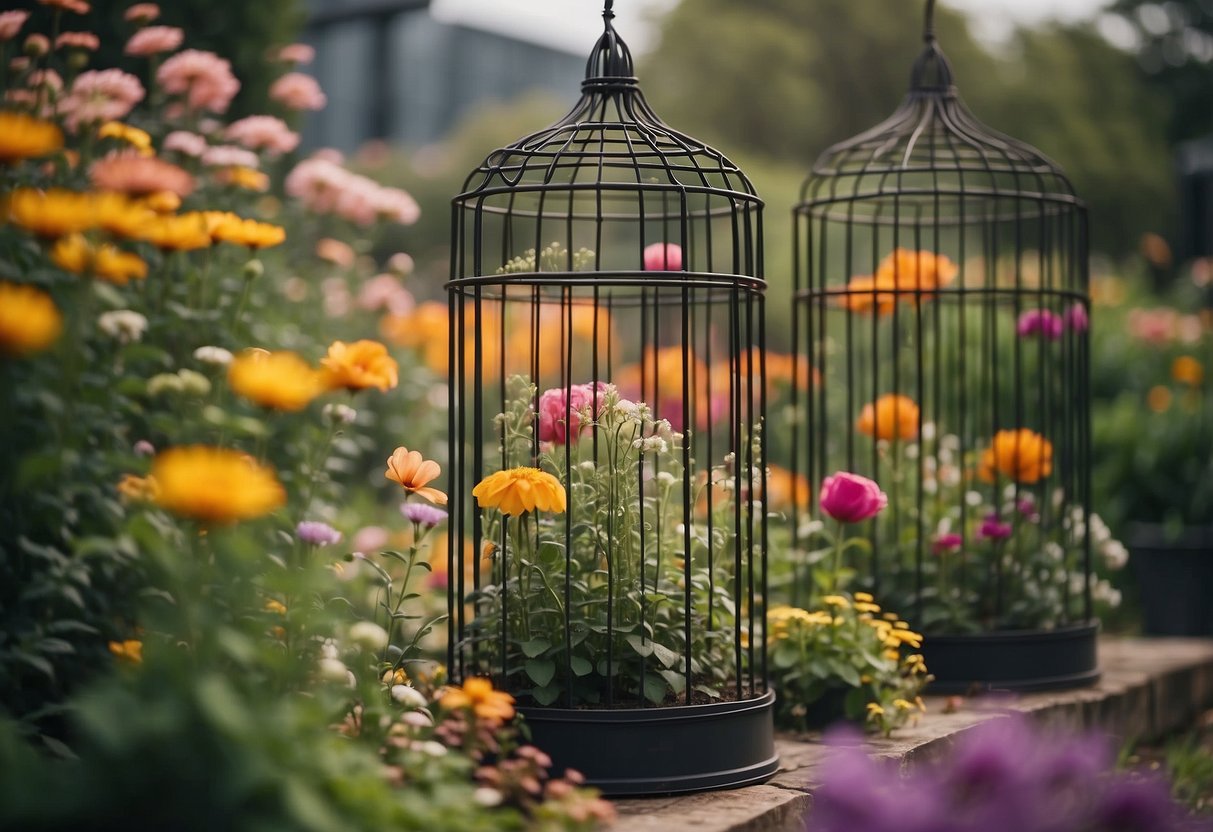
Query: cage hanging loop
[928,22]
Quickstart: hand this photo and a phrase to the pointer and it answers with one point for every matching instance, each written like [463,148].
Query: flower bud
[253,269]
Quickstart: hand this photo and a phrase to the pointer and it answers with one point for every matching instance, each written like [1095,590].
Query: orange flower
[215,484]
[23,136]
[890,417]
[124,217]
[786,489]
[279,380]
[136,138]
[52,213]
[1187,370]
[516,491]
[412,471]
[491,706]
[131,173]
[335,251]
[1159,399]
[900,274]
[184,232]
[360,365]
[865,293]
[241,177]
[130,650]
[74,254]
[1021,455]
[233,229]
[29,319]
[162,202]
[138,489]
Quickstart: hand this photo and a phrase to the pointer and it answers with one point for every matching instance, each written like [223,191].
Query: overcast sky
[574,24]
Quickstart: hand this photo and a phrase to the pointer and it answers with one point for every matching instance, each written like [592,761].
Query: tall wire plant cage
[941,291]
[606,306]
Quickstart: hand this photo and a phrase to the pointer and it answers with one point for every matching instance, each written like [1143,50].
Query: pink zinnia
[396,205]
[153,40]
[101,95]
[186,143]
[77,6]
[227,156]
[1077,319]
[11,23]
[142,13]
[205,79]
[297,91]
[992,529]
[297,53]
[1040,322]
[663,257]
[263,133]
[80,40]
[386,292]
[36,45]
[947,543]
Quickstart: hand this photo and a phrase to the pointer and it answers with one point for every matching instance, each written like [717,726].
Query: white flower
[417,719]
[928,431]
[407,696]
[125,325]
[433,748]
[439,396]
[486,796]
[666,478]
[930,486]
[339,414]
[973,498]
[368,635]
[950,442]
[333,670]
[1100,533]
[911,450]
[1054,551]
[810,528]
[950,476]
[328,649]
[213,355]
[1115,555]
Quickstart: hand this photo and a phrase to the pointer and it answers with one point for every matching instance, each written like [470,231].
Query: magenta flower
[1077,319]
[947,543]
[993,529]
[1040,322]
[555,410]
[423,514]
[663,257]
[850,498]
[316,533]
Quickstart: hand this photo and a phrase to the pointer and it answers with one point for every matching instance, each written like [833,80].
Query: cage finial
[928,22]
[608,13]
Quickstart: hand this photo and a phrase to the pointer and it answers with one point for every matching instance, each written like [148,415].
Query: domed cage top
[606,308]
[941,294]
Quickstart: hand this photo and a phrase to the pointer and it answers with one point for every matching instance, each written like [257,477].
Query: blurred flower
[23,136]
[184,232]
[35,46]
[130,650]
[423,514]
[29,320]
[182,141]
[890,417]
[227,156]
[143,448]
[136,138]
[1040,322]
[409,697]
[992,528]
[1158,399]
[516,491]
[360,365]
[241,177]
[134,174]
[278,380]
[335,252]
[785,489]
[1021,455]
[323,186]
[100,95]
[850,498]
[401,264]
[75,254]
[370,539]
[1156,250]
[216,356]
[267,133]
[903,273]
[1077,319]
[138,489]
[153,40]
[215,484]
[386,292]
[297,91]
[663,257]
[490,706]
[77,6]
[52,213]
[339,414]
[1187,370]
[947,543]
[205,79]
[78,40]
[125,325]
[161,202]
[316,533]
[10,25]
[142,13]
[296,53]
[413,472]
[250,233]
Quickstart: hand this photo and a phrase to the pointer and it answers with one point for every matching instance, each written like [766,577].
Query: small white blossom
[339,414]
[666,478]
[928,431]
[1054,551]
[407,696]
[810,528]
[973,498]
[124,325]
[213,355]
[333,670]
[1115,555]
[368,635]
[487,797]
[328,649]
[433,748]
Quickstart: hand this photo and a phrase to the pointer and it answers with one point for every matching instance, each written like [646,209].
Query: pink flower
[297,91]
[323,186]
[850,498]
[226,156]
[45,78]
[297,53]
[101,95]
[370,539]
[554,407]
[992,529]
[11,23]
[79,40]
[263,133]
[947,543]
[142,13]
[663,257]
[186,143]
[1040,322]
[401,264]
[36,45]
[153,40]
[395,205]
[317,533]
[1077,319]
[144,448]
[203,77]
[386,292]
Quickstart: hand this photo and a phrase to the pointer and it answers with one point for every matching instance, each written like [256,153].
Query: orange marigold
[23,136]
[29,319]
[1187,370]
[490,706]
[516,491]
[131,173]
[215,485]
[360,365]
[1021,455]
[250,233]
[892,416]
[279,380]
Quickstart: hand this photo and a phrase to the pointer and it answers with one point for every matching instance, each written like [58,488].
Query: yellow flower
[516,491]
[184,232]
[130,650]
[138,489]
[1159,399]
[865,597]
[396,677]
[864,606]
[23,136]
[29,319]
[839,601]
[242,232]
[139,139]
[360,365]
[74,254]
[275,606]
[215,484]
[1187,370]
[413,472]
[279,380]
[1021,455]
[242,177]
[52,213]
[162,202]
[490,706]
[890,417]
[892,655]
[874,709]
[123,217]
[903,704]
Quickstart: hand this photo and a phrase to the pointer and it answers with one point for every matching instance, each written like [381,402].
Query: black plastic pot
[1174,579]
[1013,660]
[647,751]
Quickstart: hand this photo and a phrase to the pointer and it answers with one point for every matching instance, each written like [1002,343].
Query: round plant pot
[646,751]
[1013,660]
[1174,579]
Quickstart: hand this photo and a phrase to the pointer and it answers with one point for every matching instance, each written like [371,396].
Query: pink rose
[663,257]
[1040,322]
[947,543]
[850,498]
[554,408]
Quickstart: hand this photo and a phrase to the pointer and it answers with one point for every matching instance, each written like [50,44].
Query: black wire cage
[941,293]
[606,307]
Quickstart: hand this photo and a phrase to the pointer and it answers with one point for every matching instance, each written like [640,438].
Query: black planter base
[649,751]
[1013,660]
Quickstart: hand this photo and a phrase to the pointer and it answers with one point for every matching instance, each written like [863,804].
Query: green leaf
[664,654]
[541,671]
[675,680]
[535,647]
[546,694]
[655,689]
[581,666]
[642,647]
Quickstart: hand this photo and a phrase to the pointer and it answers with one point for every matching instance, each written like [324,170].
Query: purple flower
[1027,508]
[317,533]
[1077,319]
[423,514]
[993,529]
[947,543]
[1040,322]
